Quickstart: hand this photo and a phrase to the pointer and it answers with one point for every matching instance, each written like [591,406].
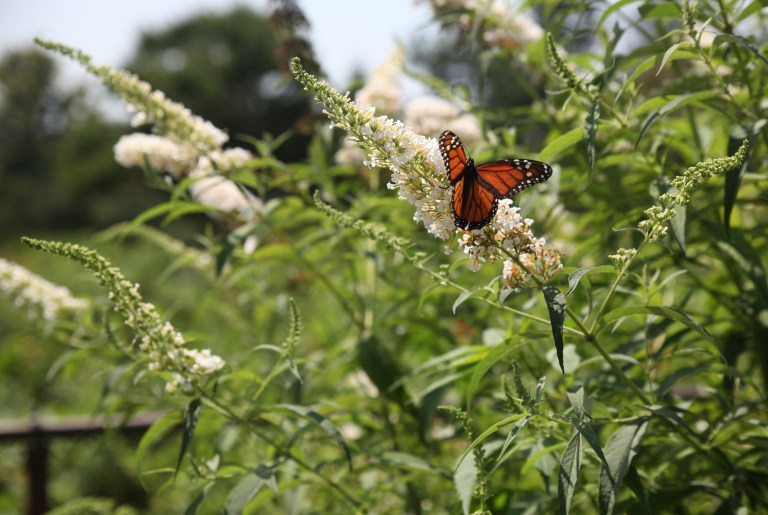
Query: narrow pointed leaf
[569,473]
[463,297]
[576,398]
[540,389]
[323,423]
[619,452]
[516,428]
[195,504]
[556,306]
[664,311]
[190,422]
[588,433]
[494,355]
[494,428]
[742,41]
[590,133]
[162,426]
[577,275]
[561,143]
[247,488]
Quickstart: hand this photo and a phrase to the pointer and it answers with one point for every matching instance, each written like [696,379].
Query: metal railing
[38,431]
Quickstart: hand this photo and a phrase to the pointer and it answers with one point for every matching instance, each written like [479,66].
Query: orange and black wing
[509,177]
[473,204]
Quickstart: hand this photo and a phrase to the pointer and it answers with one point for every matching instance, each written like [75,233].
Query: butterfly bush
[183,145]
[419,176]
[157,341]
[39,297]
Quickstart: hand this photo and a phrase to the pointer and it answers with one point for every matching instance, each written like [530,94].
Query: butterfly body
[477,189]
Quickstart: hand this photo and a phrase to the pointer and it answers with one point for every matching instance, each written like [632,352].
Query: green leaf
[488,432]
[672,50]
[513,432]
[575,277]
[676,376]
[576,398]
[754,7]
[540,390]
[197,501]
[655,62]
[659,10]
[742,41]
[561,143]
[672,415]
[325,424]
[570,464]
[190,422]
[668,105]
[464,296]
[612,8]
[409,461]
[590,132]
[619,451]
[162,426]
[464,479]
[633,481]
[556,307]
[247,488]
[381,366]
[675,314]
[491,358]
[588,433]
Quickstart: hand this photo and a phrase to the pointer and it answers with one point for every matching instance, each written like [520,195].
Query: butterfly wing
[508,177]
[472,203]
[454,155]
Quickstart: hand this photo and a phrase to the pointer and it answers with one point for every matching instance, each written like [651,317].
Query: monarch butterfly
[478,189]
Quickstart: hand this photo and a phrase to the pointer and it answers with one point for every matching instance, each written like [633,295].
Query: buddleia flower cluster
[182,145]
[656,224]
[527,260]
[156,341]
[39,297]
[418,175]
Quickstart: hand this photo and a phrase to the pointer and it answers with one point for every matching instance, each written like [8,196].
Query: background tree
[56,163]
[224,67]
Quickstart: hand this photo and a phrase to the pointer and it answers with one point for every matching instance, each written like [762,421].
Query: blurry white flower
[430,115]
[383,90]
[221,193]
[349,154]
[39,297]
[162,154]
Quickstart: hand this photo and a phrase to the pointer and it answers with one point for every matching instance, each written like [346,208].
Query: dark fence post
[37,471]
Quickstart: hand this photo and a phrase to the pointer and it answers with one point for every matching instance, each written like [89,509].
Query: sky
[347,35]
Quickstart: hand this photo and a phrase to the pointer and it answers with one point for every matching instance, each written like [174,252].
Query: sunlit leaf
[570,464]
